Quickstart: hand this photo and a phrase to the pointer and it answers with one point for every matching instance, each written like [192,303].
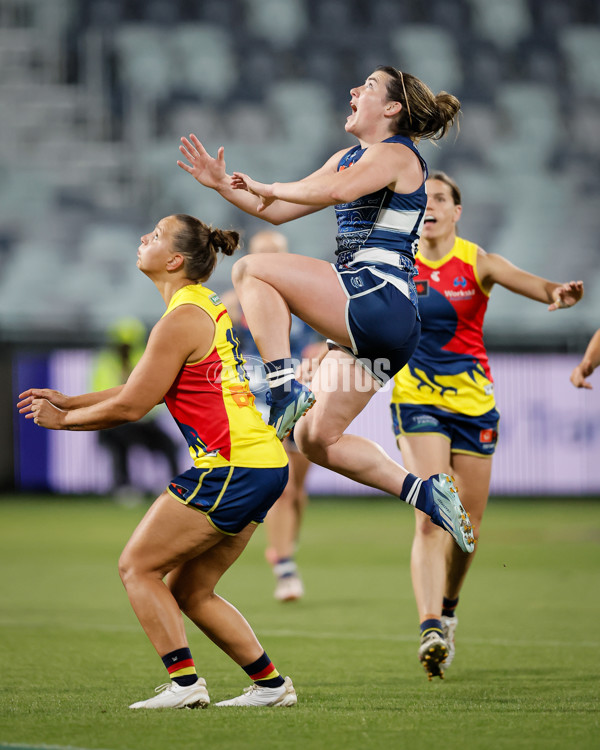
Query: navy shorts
[476,436]
[230,497]
[381,316]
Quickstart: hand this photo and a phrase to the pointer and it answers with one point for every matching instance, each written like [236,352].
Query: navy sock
[280,374]
[263,673]
[448,607]
[413,492]
[432,624]
[180,666]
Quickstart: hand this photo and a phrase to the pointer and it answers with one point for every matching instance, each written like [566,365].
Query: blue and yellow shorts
[476,436]
[230,497]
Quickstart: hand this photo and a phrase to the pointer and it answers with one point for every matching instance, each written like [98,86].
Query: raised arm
[211,172]
[591,360]
[187,332]
[494,269]
[382,165]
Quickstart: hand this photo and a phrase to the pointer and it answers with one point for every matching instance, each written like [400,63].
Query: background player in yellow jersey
[443,405]
[198,527]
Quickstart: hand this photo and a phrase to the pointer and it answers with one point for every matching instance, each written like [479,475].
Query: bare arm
[60,400]
[186,333]
[382,165]
[591,360]
[211,173]
[494,269]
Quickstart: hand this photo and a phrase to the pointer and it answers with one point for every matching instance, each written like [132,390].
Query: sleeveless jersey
[211,402]
[449,368]
[383,222]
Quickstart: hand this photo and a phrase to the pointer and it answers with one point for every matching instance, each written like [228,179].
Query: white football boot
[255,695]
[172,695]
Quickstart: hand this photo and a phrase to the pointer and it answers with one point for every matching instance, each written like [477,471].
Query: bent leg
[343,388]
[168,535]
[192,585]
[271,286]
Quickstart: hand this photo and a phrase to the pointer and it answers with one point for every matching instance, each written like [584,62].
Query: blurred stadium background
[95,94]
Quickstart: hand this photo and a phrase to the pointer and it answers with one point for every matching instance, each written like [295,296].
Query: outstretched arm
[382,165]
[211,172]
[591,360]
[61,401]
[494,269]
[186,331]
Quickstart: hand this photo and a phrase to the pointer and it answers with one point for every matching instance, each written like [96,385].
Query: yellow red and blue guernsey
[211,401]
[449,368]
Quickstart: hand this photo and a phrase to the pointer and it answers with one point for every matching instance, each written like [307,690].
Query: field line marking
[309,634]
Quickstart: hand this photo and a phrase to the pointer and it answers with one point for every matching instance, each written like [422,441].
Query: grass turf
[526,674]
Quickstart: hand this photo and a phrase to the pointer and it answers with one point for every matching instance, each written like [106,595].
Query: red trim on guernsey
[180,665]
[263,673]
[220,315]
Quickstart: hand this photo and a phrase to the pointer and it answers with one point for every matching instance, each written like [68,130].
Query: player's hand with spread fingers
[241,181]
[203,167]
[566,295]
[56,398]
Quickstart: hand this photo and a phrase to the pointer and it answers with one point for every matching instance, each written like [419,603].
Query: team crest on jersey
[215,299]
[488,436]
[422,287]
[356,282]
[460,281]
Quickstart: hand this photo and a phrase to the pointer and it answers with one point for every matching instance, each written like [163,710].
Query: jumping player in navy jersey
[366,302]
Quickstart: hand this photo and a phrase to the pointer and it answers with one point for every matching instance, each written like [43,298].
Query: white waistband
[379,255]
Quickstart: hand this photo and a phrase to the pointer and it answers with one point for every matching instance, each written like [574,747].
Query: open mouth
[429,219]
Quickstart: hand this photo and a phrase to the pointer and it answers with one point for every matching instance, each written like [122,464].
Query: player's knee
[240,271]
[126,568]
[190,599]
[311,441]
[425,528]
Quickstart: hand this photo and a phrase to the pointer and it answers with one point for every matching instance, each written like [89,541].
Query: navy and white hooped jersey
[383,222]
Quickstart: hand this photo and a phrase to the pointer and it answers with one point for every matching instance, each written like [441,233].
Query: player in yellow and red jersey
[443,407]
[201,523]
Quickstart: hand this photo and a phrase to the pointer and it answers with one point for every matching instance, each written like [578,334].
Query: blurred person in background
[443,406]
[365,303]
[198,527]
[591,360]
[284,520]
[112,366]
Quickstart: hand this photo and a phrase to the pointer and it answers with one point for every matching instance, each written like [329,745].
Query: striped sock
[413,493]
[448,607]
[431,623]
[263,673]
[280,373]
[285,567]
[180,666]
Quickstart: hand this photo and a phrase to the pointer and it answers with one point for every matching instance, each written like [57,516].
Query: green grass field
[526,674]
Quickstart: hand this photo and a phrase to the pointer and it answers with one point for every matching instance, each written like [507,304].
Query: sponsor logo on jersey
[422,286]
[487,436]
[459,294]
[215,299]
[435,276]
